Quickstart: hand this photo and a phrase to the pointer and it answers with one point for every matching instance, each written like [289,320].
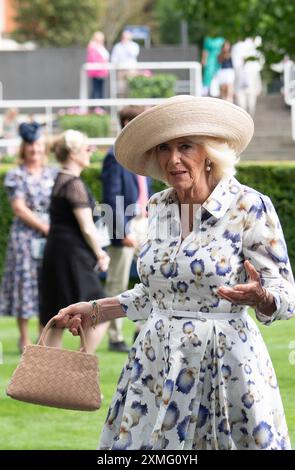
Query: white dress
[199,375]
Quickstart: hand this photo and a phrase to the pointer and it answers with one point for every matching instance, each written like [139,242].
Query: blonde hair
[223,158]
[68,142]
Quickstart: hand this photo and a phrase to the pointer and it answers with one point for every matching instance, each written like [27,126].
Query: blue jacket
[117,181]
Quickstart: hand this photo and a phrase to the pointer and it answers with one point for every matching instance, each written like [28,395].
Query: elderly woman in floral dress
[199,375]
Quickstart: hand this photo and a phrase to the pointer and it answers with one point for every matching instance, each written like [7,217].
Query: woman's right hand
[73,316]
[45,229]
[103,261]
[129,241]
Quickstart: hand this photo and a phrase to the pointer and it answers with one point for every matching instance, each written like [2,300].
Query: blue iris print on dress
[234,189]
[190,338]
[136,370]
[197,267]
[223,345]
[263,435]
[131,357]
[144,274]
[277,251]
[240,327]
[124,441]
[247,369]
[182,287]
[138,410]
[149,382]
[171,416]
[248,400]
[223,266]
[213,205]
[159,325]
[202,416]
[113,412]
[224,427]
[257,209]
[190,249]
[169,269]
[148,349]
[167,391]
[145,248]
[186,379]
[226,372]
[233,236]
[182,428]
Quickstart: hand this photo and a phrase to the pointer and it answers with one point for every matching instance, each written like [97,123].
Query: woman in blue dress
[29,187]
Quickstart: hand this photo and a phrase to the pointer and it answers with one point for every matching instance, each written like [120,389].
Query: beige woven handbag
[57,377]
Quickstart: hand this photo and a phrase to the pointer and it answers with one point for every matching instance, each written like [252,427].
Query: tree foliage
[273,20]
[116,14]
[56,22]
[66,23]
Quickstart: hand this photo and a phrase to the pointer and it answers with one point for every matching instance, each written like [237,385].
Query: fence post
[113,95]
[83,94]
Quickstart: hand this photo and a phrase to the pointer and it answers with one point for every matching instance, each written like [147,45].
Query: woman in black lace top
[73,249]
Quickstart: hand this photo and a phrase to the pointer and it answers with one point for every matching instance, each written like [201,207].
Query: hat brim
[180,116]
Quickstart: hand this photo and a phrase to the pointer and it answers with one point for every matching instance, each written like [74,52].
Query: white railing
[194,68]
[50,105]
[192,86]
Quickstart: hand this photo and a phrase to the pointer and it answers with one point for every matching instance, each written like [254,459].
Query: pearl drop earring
[208,165]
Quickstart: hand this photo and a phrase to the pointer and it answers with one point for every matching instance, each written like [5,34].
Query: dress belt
[171,313]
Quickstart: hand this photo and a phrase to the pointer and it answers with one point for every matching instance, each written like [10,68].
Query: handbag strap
[51,324]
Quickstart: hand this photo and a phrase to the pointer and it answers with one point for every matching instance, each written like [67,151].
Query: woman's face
[82,158]
[34,152]
[182,161]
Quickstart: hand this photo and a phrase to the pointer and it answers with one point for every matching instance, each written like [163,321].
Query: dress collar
[219,200]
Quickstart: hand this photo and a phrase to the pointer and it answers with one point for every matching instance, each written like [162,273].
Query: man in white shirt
[125,52]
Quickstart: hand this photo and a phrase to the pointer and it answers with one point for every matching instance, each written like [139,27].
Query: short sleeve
[14,185]
[265,247]
[76,194]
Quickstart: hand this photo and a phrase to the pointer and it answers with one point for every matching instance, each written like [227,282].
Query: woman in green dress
[211,50]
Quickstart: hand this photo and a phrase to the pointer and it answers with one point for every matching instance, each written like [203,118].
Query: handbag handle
[50,324]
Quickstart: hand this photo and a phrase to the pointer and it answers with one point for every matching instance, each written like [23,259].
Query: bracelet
[264,301]
[95,313]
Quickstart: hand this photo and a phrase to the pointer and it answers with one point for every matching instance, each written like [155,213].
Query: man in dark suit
[121,190]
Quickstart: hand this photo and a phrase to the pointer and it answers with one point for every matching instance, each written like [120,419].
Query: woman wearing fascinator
[28,187]
[199,375]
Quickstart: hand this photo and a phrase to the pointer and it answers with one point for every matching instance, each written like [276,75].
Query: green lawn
[25,426]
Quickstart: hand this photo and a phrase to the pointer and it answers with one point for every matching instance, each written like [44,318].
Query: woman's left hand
[252,293]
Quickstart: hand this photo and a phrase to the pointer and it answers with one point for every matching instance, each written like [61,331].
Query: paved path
[272,138]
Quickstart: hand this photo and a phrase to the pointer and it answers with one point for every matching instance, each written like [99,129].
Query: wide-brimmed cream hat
[180,116]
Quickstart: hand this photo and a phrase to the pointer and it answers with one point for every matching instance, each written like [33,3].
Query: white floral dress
[199,375]
[19,291]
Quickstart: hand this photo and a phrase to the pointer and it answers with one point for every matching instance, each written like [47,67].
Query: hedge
[93,125]
[277,180]
[157,86]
